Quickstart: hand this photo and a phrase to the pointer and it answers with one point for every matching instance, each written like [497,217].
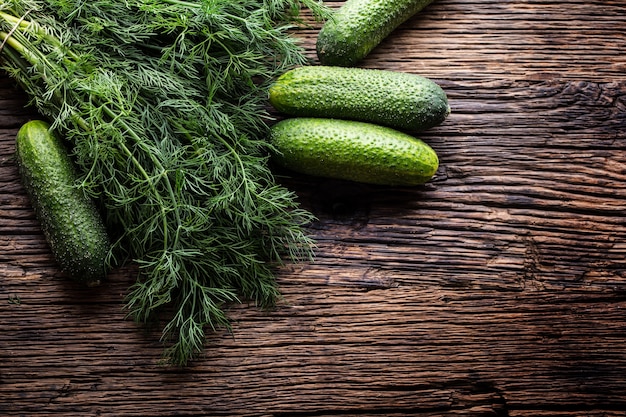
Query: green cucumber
[69,219]
[358,26]
[352,150]
[396,99]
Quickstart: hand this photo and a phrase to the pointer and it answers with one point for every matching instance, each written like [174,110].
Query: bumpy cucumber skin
[358,26]
[396,99]
[70,221]
[352,150]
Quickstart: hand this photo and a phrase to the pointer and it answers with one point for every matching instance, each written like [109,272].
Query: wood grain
[497,289]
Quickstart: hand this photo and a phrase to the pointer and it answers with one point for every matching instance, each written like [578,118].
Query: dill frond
[163,102]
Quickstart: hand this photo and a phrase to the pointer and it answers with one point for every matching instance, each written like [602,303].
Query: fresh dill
[164,102]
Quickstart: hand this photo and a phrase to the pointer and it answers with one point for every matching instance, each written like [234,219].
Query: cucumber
[396,99]
[69,220]
[358,26]
[352,150]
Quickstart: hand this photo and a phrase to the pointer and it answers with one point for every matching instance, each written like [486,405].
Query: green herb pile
[163,102]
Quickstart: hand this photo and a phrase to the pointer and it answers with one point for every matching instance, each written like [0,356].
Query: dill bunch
[163,102]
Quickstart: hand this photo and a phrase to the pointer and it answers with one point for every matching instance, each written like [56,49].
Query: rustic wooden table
[497,289]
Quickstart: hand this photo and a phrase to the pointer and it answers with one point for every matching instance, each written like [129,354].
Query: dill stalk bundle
[163,103]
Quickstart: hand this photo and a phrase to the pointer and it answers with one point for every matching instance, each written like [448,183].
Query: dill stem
[10,40]
[183,4]
[34,28]
[13,19]
[30,53]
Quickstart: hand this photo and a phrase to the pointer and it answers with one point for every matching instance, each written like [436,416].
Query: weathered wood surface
[497,289]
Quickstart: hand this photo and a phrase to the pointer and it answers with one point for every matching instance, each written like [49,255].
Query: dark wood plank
[497,289]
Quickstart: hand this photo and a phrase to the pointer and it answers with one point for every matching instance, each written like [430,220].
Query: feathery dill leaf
[164,102]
